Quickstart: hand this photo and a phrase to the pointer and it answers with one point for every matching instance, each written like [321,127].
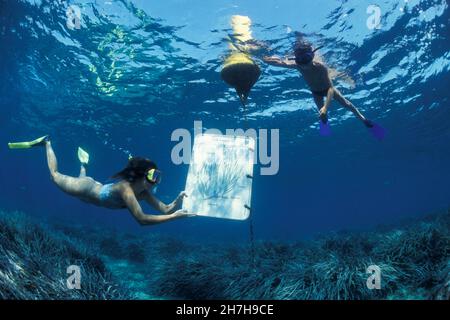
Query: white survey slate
[219,181]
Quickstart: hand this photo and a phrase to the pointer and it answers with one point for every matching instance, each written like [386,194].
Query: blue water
[137,70]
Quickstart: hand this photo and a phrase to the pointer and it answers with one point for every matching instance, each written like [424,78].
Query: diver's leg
[82,172]
[347,104]
[71,185]
[51,159]
[318,100]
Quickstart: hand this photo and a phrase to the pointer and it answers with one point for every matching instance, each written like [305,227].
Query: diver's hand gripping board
[219,181]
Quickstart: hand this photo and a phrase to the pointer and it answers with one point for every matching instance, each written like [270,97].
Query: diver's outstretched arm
[157,204]
[177,202]
[148,219]
[343,76]
[278,62]
[162,207]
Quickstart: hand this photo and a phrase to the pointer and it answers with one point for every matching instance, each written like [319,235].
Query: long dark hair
[136,168]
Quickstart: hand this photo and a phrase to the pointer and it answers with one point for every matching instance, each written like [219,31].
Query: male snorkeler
[317,76]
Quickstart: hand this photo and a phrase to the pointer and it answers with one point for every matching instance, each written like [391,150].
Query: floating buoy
[239,70]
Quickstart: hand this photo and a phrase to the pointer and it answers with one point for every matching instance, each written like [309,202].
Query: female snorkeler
[135,183]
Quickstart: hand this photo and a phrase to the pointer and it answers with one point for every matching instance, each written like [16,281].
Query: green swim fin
[83,156]
[28,144]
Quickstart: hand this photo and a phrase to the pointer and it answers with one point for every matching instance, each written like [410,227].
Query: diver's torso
[96,195]
[111,200]
[316,77]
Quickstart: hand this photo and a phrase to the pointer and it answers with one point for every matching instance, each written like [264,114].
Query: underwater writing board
[219,181]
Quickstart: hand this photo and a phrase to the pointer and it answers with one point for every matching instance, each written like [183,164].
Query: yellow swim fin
[83,156]
[28,144]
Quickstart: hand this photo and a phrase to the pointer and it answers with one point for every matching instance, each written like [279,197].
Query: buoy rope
[251,233]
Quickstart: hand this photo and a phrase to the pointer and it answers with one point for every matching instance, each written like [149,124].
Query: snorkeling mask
[153,176]
[304,57]
[305,54]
